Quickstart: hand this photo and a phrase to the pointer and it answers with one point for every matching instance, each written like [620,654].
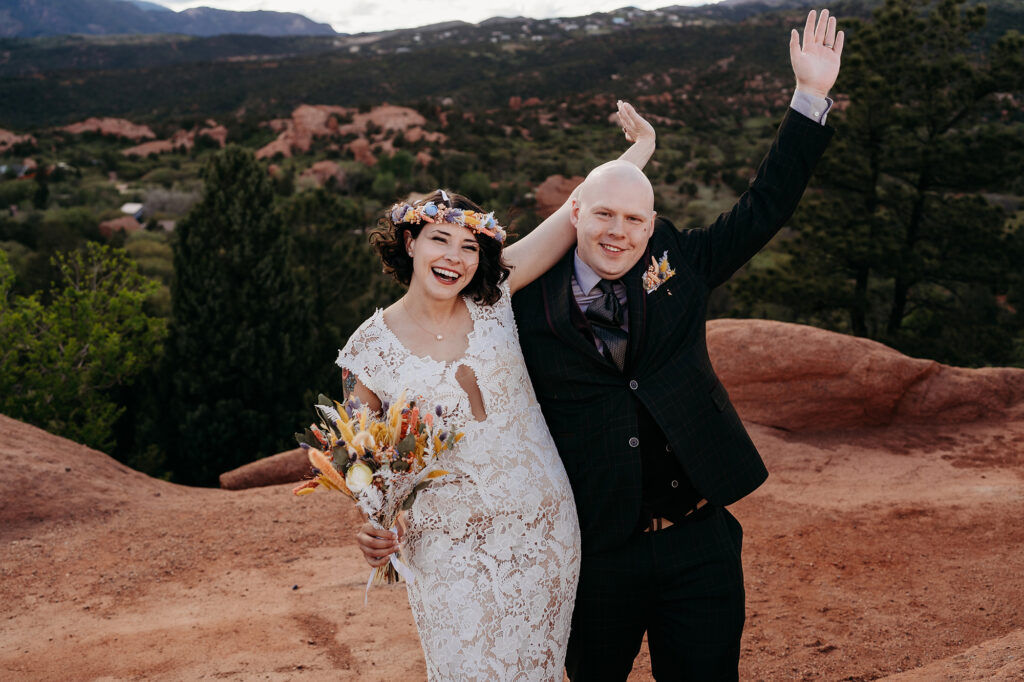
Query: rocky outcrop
[180,139]
[296,133]
[308,122]
[552,193]
[284,467]
[322,171]
[802,378]
[9,139]
[114,127]
[360,148]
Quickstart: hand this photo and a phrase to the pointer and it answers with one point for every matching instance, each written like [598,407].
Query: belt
[661,523]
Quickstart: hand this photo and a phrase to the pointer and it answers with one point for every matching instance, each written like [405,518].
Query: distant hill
[56,80]
[36,18]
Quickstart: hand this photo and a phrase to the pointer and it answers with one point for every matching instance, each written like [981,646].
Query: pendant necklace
[439,337]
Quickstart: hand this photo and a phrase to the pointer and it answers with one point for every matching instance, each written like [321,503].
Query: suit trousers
[683,586]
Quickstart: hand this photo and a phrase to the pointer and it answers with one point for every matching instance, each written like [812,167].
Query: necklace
[439,337]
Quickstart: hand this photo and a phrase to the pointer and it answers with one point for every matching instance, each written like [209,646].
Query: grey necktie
[605,315]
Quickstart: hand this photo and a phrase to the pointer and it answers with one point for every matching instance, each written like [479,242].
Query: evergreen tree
[62,360]
[895,240]
[240,328]
[340,274]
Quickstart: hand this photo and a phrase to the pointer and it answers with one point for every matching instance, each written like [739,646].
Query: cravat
[605,315]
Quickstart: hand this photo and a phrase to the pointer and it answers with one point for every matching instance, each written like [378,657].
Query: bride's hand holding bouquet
[380,461]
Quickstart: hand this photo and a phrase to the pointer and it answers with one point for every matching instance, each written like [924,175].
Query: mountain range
[36,18]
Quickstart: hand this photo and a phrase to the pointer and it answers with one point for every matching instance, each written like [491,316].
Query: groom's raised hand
[816,62]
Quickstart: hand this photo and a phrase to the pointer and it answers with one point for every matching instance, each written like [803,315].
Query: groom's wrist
[811,105]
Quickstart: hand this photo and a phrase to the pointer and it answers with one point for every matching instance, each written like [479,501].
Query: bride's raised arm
[534,254]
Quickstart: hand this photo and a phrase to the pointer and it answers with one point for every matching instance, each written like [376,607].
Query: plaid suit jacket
[591,407]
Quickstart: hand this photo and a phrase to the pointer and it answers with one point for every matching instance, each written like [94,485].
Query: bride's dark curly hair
[389,240]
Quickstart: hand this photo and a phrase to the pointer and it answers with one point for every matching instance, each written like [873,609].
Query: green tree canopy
[61,361]
[896,240]
[239,341]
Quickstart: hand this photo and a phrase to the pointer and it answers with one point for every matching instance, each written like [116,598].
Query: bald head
[620,174]
[614,217]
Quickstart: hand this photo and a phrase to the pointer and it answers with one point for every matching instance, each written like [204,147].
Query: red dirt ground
[874,551]
[884,553]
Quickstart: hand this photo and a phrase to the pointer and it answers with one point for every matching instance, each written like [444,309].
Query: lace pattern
[496,545]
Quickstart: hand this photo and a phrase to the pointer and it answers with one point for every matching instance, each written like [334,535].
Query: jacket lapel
[563,315]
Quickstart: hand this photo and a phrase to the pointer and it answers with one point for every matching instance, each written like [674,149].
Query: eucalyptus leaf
[406,445]
[321,399]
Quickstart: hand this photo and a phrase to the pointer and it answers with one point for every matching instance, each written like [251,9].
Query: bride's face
[445,258]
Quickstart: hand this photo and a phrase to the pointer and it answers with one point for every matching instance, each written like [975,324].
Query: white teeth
[612,248]
[451,274]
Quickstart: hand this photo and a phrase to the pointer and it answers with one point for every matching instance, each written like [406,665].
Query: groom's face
[614,218]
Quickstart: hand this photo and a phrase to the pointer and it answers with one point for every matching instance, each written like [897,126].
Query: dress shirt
[814,108]
[586,291]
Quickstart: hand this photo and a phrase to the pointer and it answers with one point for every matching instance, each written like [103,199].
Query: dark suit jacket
[591,407]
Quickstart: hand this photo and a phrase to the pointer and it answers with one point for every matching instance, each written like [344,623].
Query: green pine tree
[339,273]
[896,240]
[239,340]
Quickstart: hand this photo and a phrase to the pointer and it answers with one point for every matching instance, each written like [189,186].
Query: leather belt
[661,523]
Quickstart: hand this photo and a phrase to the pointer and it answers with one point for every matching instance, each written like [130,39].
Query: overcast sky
[355,16]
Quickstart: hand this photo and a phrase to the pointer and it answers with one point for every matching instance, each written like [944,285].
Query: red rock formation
[771,369]
[215,132]
[552,193]
[126,224]
[115,127]
[9,139]
[282,145]
[360,148]
[308,122]
[284,467]
[179,139]
[321,171]
[416,133]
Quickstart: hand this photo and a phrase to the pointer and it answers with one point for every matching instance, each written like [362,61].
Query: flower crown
[483,223]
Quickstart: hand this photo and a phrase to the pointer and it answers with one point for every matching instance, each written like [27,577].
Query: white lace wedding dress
[495,546]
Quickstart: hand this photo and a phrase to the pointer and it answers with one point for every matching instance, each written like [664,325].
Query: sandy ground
[890,553]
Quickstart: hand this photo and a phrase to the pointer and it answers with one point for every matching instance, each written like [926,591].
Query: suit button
[668,448]
[634,442]
[675,483]
[633,385]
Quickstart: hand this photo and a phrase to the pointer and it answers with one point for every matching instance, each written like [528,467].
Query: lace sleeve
[362,356]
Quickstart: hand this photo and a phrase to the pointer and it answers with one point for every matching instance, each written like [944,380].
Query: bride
[495,545]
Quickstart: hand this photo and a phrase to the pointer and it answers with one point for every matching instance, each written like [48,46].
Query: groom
[613,337]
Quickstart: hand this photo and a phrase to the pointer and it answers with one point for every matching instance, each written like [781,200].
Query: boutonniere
[658,273]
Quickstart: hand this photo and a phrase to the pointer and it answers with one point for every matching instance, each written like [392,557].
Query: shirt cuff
[814,108]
